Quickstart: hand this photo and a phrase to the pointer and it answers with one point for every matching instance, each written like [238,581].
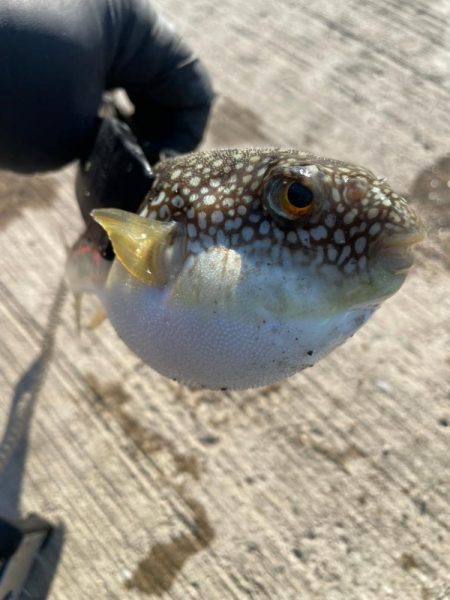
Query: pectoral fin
[152,251]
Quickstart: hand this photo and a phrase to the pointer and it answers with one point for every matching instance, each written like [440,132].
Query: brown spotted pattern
[221,197]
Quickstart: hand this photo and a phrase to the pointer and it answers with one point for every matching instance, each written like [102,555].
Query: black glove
[56,60]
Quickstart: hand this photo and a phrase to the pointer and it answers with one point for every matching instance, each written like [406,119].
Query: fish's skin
[218,195]
[260,297]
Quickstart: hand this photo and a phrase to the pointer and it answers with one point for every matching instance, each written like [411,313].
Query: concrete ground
[332,485]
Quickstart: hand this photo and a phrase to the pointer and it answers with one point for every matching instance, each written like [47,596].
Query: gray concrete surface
[332,485]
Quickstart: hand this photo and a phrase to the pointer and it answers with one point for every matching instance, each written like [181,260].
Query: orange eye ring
[296,199]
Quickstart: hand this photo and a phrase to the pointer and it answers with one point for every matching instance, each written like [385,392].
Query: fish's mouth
[395,250]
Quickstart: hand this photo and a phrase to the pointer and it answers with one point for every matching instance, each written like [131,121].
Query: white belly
[206,335]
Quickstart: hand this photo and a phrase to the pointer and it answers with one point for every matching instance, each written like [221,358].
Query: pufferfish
[245,266]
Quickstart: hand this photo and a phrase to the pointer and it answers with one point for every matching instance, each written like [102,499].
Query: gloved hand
[57,59]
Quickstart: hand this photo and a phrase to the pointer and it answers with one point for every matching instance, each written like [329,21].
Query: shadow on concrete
[234,124]
[13,454]
[18,192]
[430,193]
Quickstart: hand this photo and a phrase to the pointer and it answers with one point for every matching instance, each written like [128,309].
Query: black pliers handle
[116,174]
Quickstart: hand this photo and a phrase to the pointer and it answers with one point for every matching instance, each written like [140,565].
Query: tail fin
[86,272]
[86,269]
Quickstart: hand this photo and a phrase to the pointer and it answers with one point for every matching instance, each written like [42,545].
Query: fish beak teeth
[403,240]
[396,250]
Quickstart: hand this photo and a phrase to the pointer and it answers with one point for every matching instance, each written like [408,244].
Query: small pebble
[383,386]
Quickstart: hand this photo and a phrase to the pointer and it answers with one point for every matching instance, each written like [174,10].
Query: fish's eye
[296,198]
[294,195]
